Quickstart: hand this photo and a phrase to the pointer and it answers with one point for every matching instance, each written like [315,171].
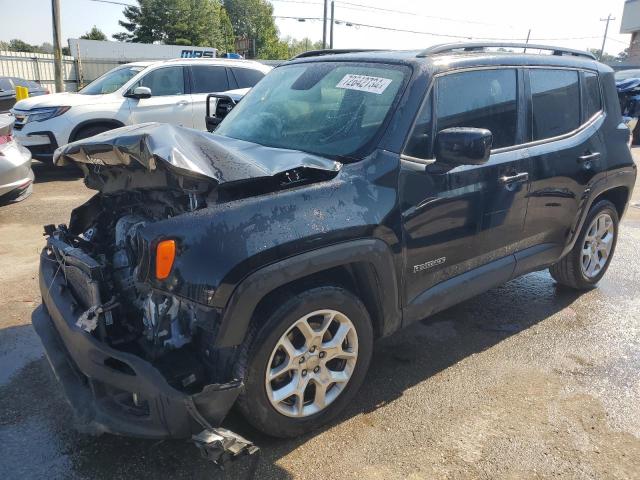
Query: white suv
[169,91]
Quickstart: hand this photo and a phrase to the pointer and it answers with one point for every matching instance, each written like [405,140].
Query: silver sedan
[16,176]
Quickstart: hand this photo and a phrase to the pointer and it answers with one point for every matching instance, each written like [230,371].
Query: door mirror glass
[141,92]
[463,146]
[218,106]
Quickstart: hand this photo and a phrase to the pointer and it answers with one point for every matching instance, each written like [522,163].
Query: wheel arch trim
[624,178]
[241,306]
[94,121]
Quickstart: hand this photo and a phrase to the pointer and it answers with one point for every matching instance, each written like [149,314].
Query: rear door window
[209,79]
[480,99]
[246,77]
[593,99]
[555,102]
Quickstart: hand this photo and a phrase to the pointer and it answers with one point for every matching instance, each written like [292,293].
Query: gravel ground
[525,381]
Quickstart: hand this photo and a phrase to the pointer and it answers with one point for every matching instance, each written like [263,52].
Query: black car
[345,197]
[8,91]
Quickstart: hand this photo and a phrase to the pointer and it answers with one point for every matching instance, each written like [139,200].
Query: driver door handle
[589,157]
[182,102]
[516,178]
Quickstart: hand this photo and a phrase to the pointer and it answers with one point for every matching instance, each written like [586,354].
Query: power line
[297,1]
[359,6]
[113,2]
[418,32]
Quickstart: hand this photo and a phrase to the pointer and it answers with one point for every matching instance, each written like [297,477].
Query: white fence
[37,67]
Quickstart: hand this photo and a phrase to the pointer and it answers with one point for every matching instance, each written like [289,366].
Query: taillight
[165,254]
[5,139]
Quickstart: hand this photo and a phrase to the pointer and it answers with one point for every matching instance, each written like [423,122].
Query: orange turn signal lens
[165,254]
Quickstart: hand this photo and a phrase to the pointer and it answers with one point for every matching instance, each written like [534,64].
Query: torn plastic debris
[190,152]
[222,446]
[88,321]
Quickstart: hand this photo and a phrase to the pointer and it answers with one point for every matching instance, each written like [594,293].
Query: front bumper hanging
[114,391]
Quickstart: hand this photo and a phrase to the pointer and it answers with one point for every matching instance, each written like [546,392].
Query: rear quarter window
[555,102]
[593,98]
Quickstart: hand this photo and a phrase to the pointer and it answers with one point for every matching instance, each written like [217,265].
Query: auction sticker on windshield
[364,83]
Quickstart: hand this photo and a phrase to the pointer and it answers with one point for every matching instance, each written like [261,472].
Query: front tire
[584,266]
[303,365]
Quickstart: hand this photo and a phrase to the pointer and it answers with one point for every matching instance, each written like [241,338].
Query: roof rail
[318,53]
[480,46]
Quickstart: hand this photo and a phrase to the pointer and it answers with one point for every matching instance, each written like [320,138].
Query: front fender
[221,245]
[245,298]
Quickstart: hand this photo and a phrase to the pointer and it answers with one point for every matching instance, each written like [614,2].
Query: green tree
[253,19]
[17,45]
[145,23]
[296,47]
[177,22]
[227,40]
[606,58]
[94,34]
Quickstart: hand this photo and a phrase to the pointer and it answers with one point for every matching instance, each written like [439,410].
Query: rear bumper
[16,175]
[100,382]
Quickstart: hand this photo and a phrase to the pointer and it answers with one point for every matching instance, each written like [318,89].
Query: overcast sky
[569,23]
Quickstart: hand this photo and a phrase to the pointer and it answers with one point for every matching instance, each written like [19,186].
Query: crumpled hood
[188,152]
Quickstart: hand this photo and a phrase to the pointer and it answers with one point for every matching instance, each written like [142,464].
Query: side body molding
[246,296]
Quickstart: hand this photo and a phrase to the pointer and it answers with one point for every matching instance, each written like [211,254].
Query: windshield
[325,108]
[627,74]
[111,81]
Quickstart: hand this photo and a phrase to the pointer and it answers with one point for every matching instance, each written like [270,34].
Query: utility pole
[333,20]
[606,29]
[57,50]
[324,26]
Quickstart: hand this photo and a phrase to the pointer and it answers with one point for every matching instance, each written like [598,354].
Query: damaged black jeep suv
[346,196]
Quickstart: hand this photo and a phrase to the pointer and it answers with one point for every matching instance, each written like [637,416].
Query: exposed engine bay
[131,316]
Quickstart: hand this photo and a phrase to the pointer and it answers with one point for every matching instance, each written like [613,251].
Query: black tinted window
[555,102]
[419,144]
[209,79]
[5,84]
[164,81]
[593,101]
[245,77]
[480,99]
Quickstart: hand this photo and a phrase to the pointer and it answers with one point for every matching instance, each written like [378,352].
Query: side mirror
[463,146]
[222,104]
[140,92]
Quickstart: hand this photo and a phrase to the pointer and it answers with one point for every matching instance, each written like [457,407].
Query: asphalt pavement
[528,380]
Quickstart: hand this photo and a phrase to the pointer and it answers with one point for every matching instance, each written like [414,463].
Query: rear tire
[315,362]
[576,270]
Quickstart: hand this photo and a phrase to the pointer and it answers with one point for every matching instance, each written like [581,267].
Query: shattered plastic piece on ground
[222,446]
